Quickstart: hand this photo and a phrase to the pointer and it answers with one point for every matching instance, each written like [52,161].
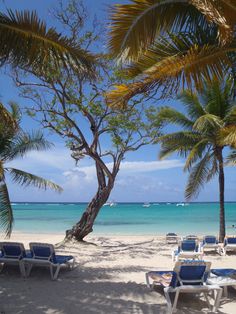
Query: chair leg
[1,267]
[207,300]
[28,268]
[22,268]
[217,299]
[174,308]
[147,280]
[168,300]
[58,267]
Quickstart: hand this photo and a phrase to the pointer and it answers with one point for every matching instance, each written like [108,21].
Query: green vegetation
[208,127]
[170,44]
[15,143]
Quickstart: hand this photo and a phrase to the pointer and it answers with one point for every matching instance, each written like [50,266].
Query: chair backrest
[171,234]
[12,250]
[43,251]
[230,240]
[188,246]
[191,273]
[210,239]
[191,237]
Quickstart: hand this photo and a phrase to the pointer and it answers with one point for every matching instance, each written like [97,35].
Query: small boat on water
[180,204]
[110,203]
[146,205]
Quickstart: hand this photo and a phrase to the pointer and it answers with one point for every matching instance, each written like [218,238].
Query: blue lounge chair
[187,277]
[187,249]
[229,244]
[210,242]
[223,277]
[43,254]
[13,253]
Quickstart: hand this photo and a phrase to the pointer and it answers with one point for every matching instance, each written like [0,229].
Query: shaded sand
[109,278]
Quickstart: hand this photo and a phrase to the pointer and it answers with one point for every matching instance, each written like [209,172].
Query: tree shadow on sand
[85,290]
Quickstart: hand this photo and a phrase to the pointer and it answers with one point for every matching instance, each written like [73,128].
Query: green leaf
[6,214]
[25,179]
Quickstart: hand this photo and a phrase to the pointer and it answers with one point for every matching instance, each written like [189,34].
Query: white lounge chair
[187,277]
[43,254]
[187,249]
[210,243]
[172,238]
[228,245]
[12,253]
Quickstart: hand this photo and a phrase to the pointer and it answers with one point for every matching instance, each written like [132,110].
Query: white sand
[109,278]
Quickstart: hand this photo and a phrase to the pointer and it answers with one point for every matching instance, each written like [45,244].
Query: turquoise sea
[125,218]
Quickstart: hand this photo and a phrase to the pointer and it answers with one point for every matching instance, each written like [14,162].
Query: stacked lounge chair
[172,238]
[210,242]
[228,245]
[187,249]
[186,277]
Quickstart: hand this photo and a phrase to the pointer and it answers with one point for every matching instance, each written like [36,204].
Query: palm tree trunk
[222,191]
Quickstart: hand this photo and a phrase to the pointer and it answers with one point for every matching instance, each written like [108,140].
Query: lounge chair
[191,237]
[187,249]
[187,277]
[223,277]
[43,254]
[229,244]
[13,253]
[210,242]
[172,238]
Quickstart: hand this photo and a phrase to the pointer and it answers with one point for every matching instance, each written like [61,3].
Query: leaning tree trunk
[82,228]
[222,191]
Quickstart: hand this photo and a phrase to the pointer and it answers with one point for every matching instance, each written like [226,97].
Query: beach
[109,278]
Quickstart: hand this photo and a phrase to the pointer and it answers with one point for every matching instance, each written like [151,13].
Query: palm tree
[208,127]
[15,143]
[25,41]
[172,43]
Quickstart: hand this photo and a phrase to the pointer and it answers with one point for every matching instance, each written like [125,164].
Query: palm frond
[135,26]
[178,142]
[23,143]
[170,115]
[195,153]
[25,41]
[191,66]
[227,136]
[192,104]
[208,122]
[231,158]
[221,13]
[197,178]
[6,214]
[25,179]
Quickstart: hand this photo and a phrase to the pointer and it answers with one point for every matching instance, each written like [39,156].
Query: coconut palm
[172,43]
[208,126]
[14,144]
[26,41]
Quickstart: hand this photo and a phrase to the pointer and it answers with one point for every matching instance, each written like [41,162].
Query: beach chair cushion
[12,250]
[210,240]
[230,240]
[188,246]
[224,272]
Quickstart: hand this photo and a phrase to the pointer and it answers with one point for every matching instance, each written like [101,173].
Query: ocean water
[125,218]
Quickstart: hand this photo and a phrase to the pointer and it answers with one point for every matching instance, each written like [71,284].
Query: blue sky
[142,177]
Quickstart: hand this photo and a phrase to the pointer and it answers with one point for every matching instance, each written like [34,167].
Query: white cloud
[125,168]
